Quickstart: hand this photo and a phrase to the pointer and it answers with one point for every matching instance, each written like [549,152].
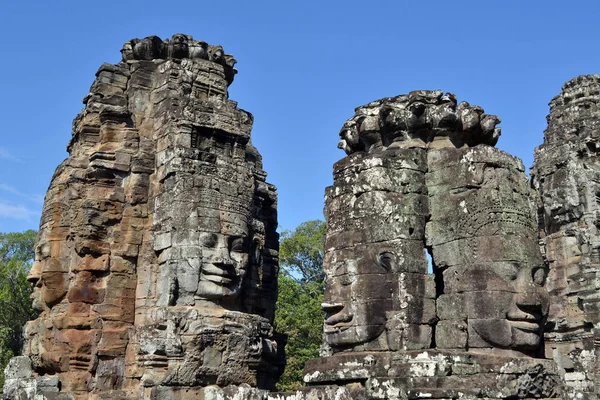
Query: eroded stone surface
[156,259]
[425,179]
[379,294]
[566,175]
[422,177]
[484,246]
[436,374]
[418,117]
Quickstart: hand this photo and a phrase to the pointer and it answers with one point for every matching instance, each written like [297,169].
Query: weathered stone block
[162,241]
[451,334]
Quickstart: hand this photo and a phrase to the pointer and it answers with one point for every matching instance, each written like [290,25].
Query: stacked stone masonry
[566,176]
[448,273]
[422,178]
[156,259]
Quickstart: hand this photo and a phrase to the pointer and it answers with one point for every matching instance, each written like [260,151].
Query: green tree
[301,286]
[301,252]
[16,257]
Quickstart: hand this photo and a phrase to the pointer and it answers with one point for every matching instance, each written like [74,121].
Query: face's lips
[36,300]
[338,322]
[330,330]
[216,279]
[211,269]
[337,329]
[217,274]
[527,326]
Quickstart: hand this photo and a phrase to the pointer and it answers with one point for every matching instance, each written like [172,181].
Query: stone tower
[156,260]
[566,175]
[422,177]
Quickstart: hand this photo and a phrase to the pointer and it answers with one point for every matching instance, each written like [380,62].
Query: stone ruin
[422,177]
[449,274]
[156,263]
[566,177]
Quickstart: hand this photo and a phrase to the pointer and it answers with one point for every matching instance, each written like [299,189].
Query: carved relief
[417,118]
[565,175]
[507,269]
[156,260]
[421,177]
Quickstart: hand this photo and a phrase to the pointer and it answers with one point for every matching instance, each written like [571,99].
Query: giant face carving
[504,296]
[48,273]
[359,292]
[225,259]
[512,313]
[497,272]
[179,46]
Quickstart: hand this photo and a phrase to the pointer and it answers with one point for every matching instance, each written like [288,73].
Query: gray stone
[566,176]
[18,367]
[421,176]
[156,260]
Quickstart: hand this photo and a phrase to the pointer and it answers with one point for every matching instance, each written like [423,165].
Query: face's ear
[256,249]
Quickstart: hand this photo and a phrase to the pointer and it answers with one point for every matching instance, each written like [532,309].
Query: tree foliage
[301,286]
[16,257]
[301,252]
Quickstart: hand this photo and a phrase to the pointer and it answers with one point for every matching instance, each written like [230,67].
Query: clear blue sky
[303,68]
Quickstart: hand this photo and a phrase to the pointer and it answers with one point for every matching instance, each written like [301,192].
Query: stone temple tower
[422,176]
[566,175]
[156,260]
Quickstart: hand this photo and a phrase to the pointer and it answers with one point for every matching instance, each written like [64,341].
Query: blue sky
[303,68]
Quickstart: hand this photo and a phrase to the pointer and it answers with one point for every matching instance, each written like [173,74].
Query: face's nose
[35,273]
[531,302]
[221,257]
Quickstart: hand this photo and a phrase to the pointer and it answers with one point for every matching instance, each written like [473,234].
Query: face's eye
[209,240]
[339,270]
[347,279]
[538,275]
[237,245]
[42,251]
[386,260]
[509,270]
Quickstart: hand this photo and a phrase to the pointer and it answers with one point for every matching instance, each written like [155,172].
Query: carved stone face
[358,294]
[127,51]
[180,46]
[504,296]
[512,315]
[198,50]
[48,274]
[224,264]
